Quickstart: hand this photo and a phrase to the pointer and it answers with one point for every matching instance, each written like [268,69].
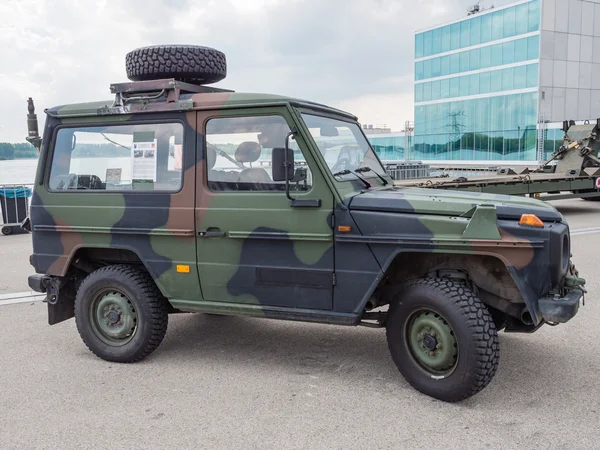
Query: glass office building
[476,86]
[496,85]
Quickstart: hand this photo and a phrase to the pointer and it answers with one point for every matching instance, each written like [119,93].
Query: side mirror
[282,160]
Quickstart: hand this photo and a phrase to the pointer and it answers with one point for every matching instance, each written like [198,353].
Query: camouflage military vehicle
[174,196]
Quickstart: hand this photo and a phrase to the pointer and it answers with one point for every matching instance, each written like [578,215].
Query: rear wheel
[442,339]
[120,314]
[6,230]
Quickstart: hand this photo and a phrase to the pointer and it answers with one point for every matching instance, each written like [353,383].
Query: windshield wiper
[368,169]
[349,172]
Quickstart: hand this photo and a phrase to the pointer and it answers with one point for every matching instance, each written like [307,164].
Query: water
[18,171]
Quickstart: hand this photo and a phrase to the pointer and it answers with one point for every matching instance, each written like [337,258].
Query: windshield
[344,148]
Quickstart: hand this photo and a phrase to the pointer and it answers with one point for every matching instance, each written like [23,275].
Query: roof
[208,99]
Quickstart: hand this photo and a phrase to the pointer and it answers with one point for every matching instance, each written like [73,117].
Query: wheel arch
[488,272]
[89,258]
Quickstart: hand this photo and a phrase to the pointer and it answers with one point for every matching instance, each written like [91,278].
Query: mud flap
[62,310]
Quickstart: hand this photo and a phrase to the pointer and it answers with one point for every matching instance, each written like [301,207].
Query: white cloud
[357,54]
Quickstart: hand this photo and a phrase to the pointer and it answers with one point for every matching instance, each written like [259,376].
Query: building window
[520,77]
[446,38]
[464,61]
[419,70]
[485,57]
[521,15]
[454,36]
[427,43]
[532,75]
[497,25]
[496,81]
[474,84]
[533,47]
[454,87]
[445,65]
[419,45]
[475,31]
[445,88]
[436,70]
[419,92]
[508,52]
[496,55]
[484,83]
[426,69]
[436,41]
[427,92]
[464,86]
[474,57]
[465,33]
[486,28]
[454,63]
[534,16]
[509,22]
[507,79]
[521,50]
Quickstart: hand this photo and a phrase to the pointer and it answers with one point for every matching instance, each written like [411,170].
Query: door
[253,246]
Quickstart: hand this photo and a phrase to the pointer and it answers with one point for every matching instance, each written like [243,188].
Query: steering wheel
[341,164]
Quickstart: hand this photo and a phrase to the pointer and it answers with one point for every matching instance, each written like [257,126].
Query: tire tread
[140,280]
[478,319]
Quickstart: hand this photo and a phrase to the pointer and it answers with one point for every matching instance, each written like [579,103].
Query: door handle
[212,232]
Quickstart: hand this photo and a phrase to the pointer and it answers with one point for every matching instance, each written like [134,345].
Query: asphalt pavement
[239,383]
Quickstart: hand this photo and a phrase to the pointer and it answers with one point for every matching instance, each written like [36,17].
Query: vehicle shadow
[529,366]
[293,347]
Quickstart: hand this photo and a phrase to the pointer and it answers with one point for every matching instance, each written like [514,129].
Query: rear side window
[117,158]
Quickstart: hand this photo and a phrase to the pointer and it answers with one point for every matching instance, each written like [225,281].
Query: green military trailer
[174,196]
[573,171]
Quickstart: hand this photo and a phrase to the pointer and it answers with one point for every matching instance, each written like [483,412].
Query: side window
[239,153]
[118,157]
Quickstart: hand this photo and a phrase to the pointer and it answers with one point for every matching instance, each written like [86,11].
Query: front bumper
[560,309]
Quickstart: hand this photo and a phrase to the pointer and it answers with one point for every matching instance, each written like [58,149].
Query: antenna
[474,9]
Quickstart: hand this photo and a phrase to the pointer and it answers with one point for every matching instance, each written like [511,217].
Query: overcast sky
[352,54]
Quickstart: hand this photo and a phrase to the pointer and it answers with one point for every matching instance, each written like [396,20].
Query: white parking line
[581,231]
[21,297]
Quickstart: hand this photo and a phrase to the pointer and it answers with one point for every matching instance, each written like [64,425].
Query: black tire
[6,230]
[477,347]
[145,300]
[192,64]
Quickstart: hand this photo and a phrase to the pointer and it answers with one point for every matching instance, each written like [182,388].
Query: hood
[450,203]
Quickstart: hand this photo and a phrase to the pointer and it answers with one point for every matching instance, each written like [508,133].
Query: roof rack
[152,89]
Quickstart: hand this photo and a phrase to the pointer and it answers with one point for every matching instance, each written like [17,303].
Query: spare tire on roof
[189,63]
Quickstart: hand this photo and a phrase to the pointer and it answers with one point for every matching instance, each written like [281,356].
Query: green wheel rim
[113,317]
[431,343]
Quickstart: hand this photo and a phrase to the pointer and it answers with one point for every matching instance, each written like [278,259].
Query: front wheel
[442,339]
[120,314]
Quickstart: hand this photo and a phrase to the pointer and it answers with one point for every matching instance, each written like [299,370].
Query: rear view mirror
[283,168]
[329,131]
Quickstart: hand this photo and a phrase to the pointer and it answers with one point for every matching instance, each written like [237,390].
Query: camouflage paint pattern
[276,258]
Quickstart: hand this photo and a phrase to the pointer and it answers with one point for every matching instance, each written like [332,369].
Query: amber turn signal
[183,268]
[344,229]
[532,220]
